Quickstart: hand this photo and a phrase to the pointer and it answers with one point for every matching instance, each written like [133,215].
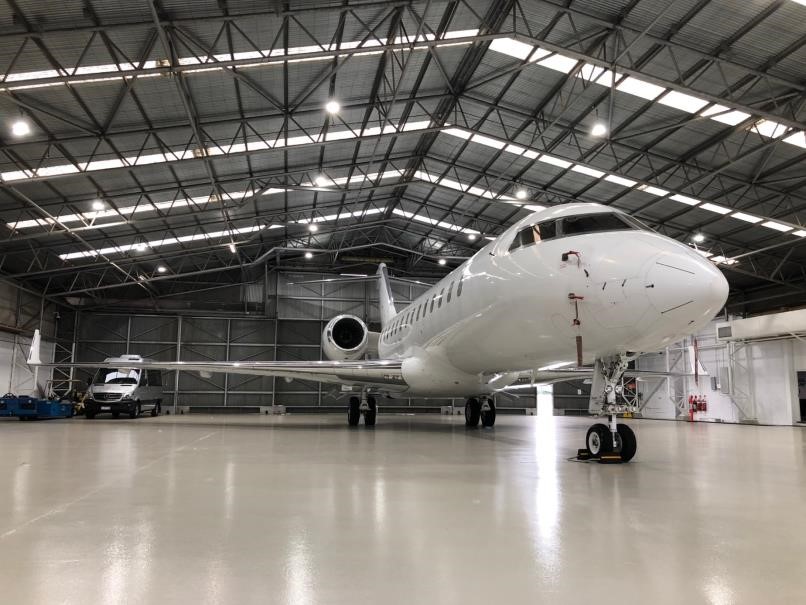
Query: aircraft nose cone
[679,284]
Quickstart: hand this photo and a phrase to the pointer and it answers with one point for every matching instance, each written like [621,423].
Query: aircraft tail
[33,354]
[385,298]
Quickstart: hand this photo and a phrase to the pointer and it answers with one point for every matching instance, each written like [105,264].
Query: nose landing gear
[483,409]
[364,405]
[612,442]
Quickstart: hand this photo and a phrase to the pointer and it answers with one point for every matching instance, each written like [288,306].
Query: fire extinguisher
[703,404]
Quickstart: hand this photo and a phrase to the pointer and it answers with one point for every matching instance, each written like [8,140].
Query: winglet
[385,298]
[33,354]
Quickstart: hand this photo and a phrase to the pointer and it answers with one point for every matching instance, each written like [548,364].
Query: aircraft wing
[380,373]
[566,374]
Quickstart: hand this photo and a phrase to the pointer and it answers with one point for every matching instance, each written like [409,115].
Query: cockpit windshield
[591,223]
[116,376]
[574,225]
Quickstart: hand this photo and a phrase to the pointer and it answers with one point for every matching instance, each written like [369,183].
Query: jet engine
[345,338]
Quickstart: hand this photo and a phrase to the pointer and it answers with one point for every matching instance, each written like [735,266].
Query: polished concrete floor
[301,509]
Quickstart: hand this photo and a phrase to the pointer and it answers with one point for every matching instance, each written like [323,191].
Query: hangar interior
[172,172]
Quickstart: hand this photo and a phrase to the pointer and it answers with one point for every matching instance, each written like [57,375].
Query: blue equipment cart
[31,408]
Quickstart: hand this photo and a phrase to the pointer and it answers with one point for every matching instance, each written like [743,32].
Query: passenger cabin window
[433,300]
[533,234]
[450,290]
[592,223]
[459,287]
[439,304]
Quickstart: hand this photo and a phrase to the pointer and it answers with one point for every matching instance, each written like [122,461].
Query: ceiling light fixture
[161,269]
[442,261]
[97,204]
[598,130]
[321,180]
[332,107]
[521,194]
[309,255]
[313,228]
[140,246]
[471,237]
[20,128]
[232,248]
[699,237]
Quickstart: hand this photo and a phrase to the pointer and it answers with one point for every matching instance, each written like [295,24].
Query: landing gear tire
[599,440]
[488,416]
[354,411]
[629,443]
[371,413]
[472,412]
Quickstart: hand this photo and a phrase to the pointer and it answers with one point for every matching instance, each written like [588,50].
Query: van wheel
[135,411]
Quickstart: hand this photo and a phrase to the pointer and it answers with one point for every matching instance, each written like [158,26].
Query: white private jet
[567,286]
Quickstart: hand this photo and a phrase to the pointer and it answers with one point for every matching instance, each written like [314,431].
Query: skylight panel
[682,101]
[516,149]
[715,208]
[748,218]
[723,114]
[776,226]
[590,72]
[511,47]
[457,132]
[489,142]
[683,199]
[769,129]
[620,180]
[798,139]
[538,54]
[639,88]
[651,189]
[460,33]
[800,233]
[549,159]
[531,154]
[597,174]
[559,62]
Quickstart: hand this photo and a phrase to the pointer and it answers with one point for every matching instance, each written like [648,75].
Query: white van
[120,389]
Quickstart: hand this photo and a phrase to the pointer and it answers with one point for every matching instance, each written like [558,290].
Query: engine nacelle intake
[345,338]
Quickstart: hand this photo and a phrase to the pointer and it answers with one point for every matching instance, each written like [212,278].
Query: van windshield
[116,376]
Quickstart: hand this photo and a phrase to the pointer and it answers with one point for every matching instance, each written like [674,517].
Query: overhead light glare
[599,129]
[20,128]
[97,205]
[161,269]
[313,228]
[309,255]
[521,194]
[442,261]
[232,248]
[472,237]
[321,180]
[140,246]
[332,107]
[699,237]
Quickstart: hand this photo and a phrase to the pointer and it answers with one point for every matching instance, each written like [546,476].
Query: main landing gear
[480,409]
[364,405]
[612,442]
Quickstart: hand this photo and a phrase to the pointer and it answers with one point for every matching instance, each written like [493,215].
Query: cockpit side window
[592,223]
[533,234]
